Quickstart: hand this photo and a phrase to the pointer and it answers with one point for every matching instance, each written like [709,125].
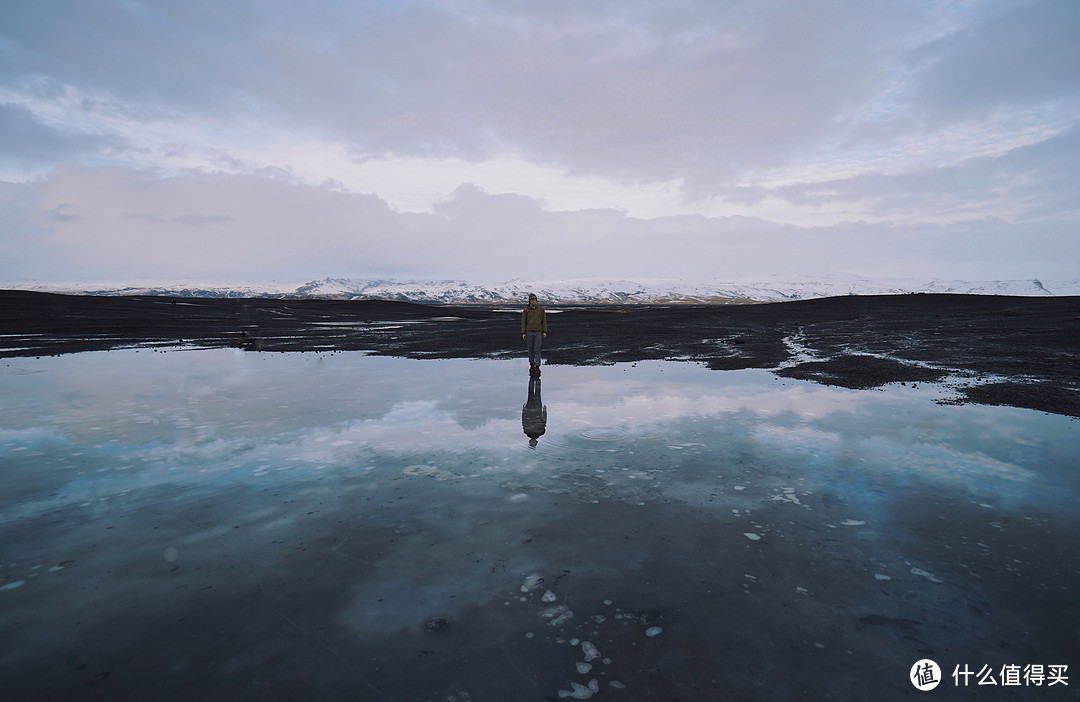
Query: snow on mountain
[602,290]
[569,291]
[179,288]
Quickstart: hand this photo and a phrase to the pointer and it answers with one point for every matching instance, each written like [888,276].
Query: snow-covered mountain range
[578,290]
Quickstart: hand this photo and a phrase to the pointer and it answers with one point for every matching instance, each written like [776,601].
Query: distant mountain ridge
[568,291]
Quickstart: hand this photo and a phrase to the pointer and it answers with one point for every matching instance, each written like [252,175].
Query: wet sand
[997,350]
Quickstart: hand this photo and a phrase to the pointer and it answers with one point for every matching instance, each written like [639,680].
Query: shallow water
[344,526]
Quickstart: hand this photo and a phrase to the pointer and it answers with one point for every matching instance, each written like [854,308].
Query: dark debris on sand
[1017,351]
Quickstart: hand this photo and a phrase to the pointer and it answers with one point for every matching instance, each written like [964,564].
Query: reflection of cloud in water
[202,417]
[415,426]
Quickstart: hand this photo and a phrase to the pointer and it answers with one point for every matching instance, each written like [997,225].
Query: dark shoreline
[1015,351]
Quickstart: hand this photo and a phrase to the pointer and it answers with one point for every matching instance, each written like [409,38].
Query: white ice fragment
[751,536]
[787,496]
[740,487]
[802,591]
[549,596]
[583,668]
[558,615]
[594,685]
[881,576]
[852,522]
[922,573]
[590,651]
[12,585]
[531,583]
[518,497]
[575,642]
[653,631]
[617,685]
[579,692]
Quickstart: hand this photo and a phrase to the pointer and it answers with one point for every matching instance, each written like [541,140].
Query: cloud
[639,92]
[264,138]
[27,142]
[117,222]
[1027,183]
[1023,54]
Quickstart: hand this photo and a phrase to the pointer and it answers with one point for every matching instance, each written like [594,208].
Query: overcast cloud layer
[492,140]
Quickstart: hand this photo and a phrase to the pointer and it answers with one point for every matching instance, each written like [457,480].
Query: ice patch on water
[559,615]
[581,692]
[531,583]
[787,495]
[590,651]
[924,574]
[549,596]
[13,585]
[752,536]
[431,472]
[881,576]
[653,631]
[583,668]
[852,522]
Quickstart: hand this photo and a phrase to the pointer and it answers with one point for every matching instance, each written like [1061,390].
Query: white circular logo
[925,674]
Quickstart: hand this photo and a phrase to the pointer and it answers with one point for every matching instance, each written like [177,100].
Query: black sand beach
[998,350]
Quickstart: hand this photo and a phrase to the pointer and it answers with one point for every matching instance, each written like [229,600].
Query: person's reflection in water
[534,413]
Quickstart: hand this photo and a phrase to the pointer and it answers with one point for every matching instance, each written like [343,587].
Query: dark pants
[534,340]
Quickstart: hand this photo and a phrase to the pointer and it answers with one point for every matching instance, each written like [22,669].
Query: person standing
[533,332]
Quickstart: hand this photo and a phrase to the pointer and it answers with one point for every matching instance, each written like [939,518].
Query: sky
[492,140]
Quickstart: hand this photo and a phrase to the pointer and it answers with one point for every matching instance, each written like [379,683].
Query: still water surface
[213,522]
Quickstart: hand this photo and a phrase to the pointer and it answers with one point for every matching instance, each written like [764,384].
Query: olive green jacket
[533,319]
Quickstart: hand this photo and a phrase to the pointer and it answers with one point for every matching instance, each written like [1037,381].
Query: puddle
[355,527]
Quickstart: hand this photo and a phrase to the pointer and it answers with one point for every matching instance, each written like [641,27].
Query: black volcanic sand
[1016,351]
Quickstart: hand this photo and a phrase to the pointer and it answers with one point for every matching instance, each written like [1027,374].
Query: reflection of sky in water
[313,504]
[109,423]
